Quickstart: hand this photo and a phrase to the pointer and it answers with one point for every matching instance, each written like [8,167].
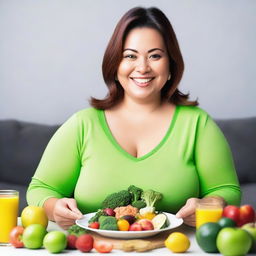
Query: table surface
[190,232]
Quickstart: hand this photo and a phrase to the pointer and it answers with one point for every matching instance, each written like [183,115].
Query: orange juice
[9,203]
[204,215]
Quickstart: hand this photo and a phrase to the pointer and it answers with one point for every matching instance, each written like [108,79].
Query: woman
[145,132]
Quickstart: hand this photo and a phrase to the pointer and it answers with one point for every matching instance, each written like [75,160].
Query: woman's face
[144,68]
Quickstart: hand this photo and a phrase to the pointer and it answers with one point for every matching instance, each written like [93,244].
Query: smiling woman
[144,68]
[145,132]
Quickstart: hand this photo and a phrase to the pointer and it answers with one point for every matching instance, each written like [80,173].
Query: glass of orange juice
[9,205]
[208,212]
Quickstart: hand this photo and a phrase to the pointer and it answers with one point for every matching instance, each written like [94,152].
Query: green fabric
[84,161]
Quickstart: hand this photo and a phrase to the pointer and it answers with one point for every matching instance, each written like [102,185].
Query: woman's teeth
[142,80]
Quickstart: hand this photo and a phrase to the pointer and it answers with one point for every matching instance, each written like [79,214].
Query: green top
[83,160]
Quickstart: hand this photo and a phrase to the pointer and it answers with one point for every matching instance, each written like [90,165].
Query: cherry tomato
[95,225]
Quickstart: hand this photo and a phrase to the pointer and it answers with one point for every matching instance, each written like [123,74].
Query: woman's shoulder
[193,111]
[85,113]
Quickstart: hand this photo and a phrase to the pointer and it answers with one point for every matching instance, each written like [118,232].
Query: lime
[226,222]
[206,236]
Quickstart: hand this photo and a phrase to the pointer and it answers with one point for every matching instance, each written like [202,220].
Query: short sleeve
[214,163]
[59,168]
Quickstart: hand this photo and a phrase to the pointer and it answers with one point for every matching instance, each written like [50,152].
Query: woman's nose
[143,66]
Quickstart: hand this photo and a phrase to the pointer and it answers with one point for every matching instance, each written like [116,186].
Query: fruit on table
[226,222]
[33,215]
[16,237]
[177,242]
[233,241]
[247,215]
[55,241]
[103,246]
[71,241]
[232,212]
[123,225]
[206,236]
[241,216]
[84,243]
[251,228]
[33,236]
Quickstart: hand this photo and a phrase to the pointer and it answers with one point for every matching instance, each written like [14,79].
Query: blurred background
[51,53]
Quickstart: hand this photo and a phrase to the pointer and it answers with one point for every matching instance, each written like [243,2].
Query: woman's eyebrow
[149,51]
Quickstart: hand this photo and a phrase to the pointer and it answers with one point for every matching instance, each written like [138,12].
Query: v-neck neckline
[106,128]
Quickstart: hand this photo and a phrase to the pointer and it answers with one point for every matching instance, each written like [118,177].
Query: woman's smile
[142,82]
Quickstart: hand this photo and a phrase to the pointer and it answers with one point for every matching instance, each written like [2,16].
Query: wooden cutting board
[142,244]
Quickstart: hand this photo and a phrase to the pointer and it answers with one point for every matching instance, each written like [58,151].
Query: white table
[193,250]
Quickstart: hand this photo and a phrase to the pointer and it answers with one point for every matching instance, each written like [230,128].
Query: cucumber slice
[160,221]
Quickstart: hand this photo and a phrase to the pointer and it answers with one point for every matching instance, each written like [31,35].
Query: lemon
[177,242]
[33,215]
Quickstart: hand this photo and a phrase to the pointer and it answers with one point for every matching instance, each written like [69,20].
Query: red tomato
[95,225]
[247,215]
[84,243]
[15,237]
[71,241]
[232,212]
[103,246]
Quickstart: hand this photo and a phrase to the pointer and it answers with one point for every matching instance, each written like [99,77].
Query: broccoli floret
[121,198]
[76,230]
[108,223]
[150,197]
[139,204]
[95,218]
[136,197]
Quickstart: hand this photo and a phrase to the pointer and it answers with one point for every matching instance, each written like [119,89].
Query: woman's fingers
[73,207]
[66,208]
[190,220]
[188,209]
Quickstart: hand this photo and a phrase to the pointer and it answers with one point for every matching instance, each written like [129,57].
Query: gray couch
[22,145]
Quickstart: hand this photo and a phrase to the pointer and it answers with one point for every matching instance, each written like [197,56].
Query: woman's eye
[155,56]
[130,56]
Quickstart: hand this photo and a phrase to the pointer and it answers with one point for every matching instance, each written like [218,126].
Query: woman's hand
[187,212]
[63,211]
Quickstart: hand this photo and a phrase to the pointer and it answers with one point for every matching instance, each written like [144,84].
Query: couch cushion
[241,135]
[248,194]
[21,147]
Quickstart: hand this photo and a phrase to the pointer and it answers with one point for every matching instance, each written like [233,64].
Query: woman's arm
[216,171]
[53,183]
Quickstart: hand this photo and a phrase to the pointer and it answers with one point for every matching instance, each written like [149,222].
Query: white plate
[174,222]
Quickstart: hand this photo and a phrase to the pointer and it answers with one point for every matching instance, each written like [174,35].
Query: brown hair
[142,17]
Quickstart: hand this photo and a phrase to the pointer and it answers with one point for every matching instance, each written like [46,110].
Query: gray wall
[51,53]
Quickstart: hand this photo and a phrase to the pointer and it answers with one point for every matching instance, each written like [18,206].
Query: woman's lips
[142,82]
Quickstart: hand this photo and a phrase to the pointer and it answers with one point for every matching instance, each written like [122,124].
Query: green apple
[33,236]
[55,241]
[251,228]
[233,241]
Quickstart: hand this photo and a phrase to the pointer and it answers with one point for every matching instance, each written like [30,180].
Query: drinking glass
[208,212]
[9,205]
